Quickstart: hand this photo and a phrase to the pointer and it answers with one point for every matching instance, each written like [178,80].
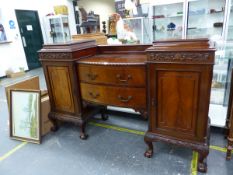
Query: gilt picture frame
[25,122]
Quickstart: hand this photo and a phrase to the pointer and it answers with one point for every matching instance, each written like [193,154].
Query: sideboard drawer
[113,75]
[116,96]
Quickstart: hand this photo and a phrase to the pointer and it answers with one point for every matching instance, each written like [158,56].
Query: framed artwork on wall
[2,33]
[25,123]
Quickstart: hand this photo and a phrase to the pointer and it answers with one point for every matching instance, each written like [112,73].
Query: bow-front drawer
[133,76]
[116,96]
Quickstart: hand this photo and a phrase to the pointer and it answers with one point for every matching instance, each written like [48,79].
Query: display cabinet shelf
[208,14]
[174,16]
[164,17]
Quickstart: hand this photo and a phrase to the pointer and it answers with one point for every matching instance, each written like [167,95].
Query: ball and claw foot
[229,148]
[228,154]
[83,136]
[202,167]
[104,117]
[54,128]
[148,153]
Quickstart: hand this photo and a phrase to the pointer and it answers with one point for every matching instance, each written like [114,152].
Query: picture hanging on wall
[2,33]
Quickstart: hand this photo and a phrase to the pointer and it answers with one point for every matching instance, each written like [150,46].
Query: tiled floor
[106,152]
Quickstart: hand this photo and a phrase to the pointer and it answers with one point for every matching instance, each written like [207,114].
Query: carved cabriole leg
[143,113]
[83,135]
[55,127]
[149,151]
[104,116]
[226,130]
[229,148]
[202,165]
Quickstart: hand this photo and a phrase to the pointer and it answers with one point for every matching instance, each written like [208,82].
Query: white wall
[104,8]
[12,55]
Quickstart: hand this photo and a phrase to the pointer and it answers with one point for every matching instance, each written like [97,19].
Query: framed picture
[2,33]
[25,122]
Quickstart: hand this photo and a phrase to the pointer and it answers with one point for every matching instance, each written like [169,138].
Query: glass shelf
[215,13]
[207,32]
[167,17]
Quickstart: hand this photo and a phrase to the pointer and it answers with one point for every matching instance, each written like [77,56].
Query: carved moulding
[56,55]
[187,57]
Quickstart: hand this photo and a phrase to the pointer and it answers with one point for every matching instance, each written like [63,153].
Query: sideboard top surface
[70,46]
[187,45]
[115,59]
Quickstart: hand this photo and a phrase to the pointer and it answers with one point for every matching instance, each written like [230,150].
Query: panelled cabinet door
[60,83]
[175,104]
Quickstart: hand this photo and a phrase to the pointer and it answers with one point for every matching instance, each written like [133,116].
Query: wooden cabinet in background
[100,38]
[179,81]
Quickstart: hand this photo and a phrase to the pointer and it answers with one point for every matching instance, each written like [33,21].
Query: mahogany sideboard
[168,82]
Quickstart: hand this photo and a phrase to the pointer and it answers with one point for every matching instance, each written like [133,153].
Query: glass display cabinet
[58,30]
[220,86]
[139,26]
[227,61]
[168,21]
[205,18]
[230,23]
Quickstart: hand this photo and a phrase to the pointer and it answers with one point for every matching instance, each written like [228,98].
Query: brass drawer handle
[92,76]
[94,95]
[122,99]
[119,77]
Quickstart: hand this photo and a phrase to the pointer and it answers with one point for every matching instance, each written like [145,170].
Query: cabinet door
[177,104]
[61,88]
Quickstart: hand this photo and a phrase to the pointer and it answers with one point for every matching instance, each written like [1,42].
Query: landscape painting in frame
[25,115]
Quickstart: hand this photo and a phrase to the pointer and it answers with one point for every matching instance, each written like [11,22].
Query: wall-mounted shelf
[5,42]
